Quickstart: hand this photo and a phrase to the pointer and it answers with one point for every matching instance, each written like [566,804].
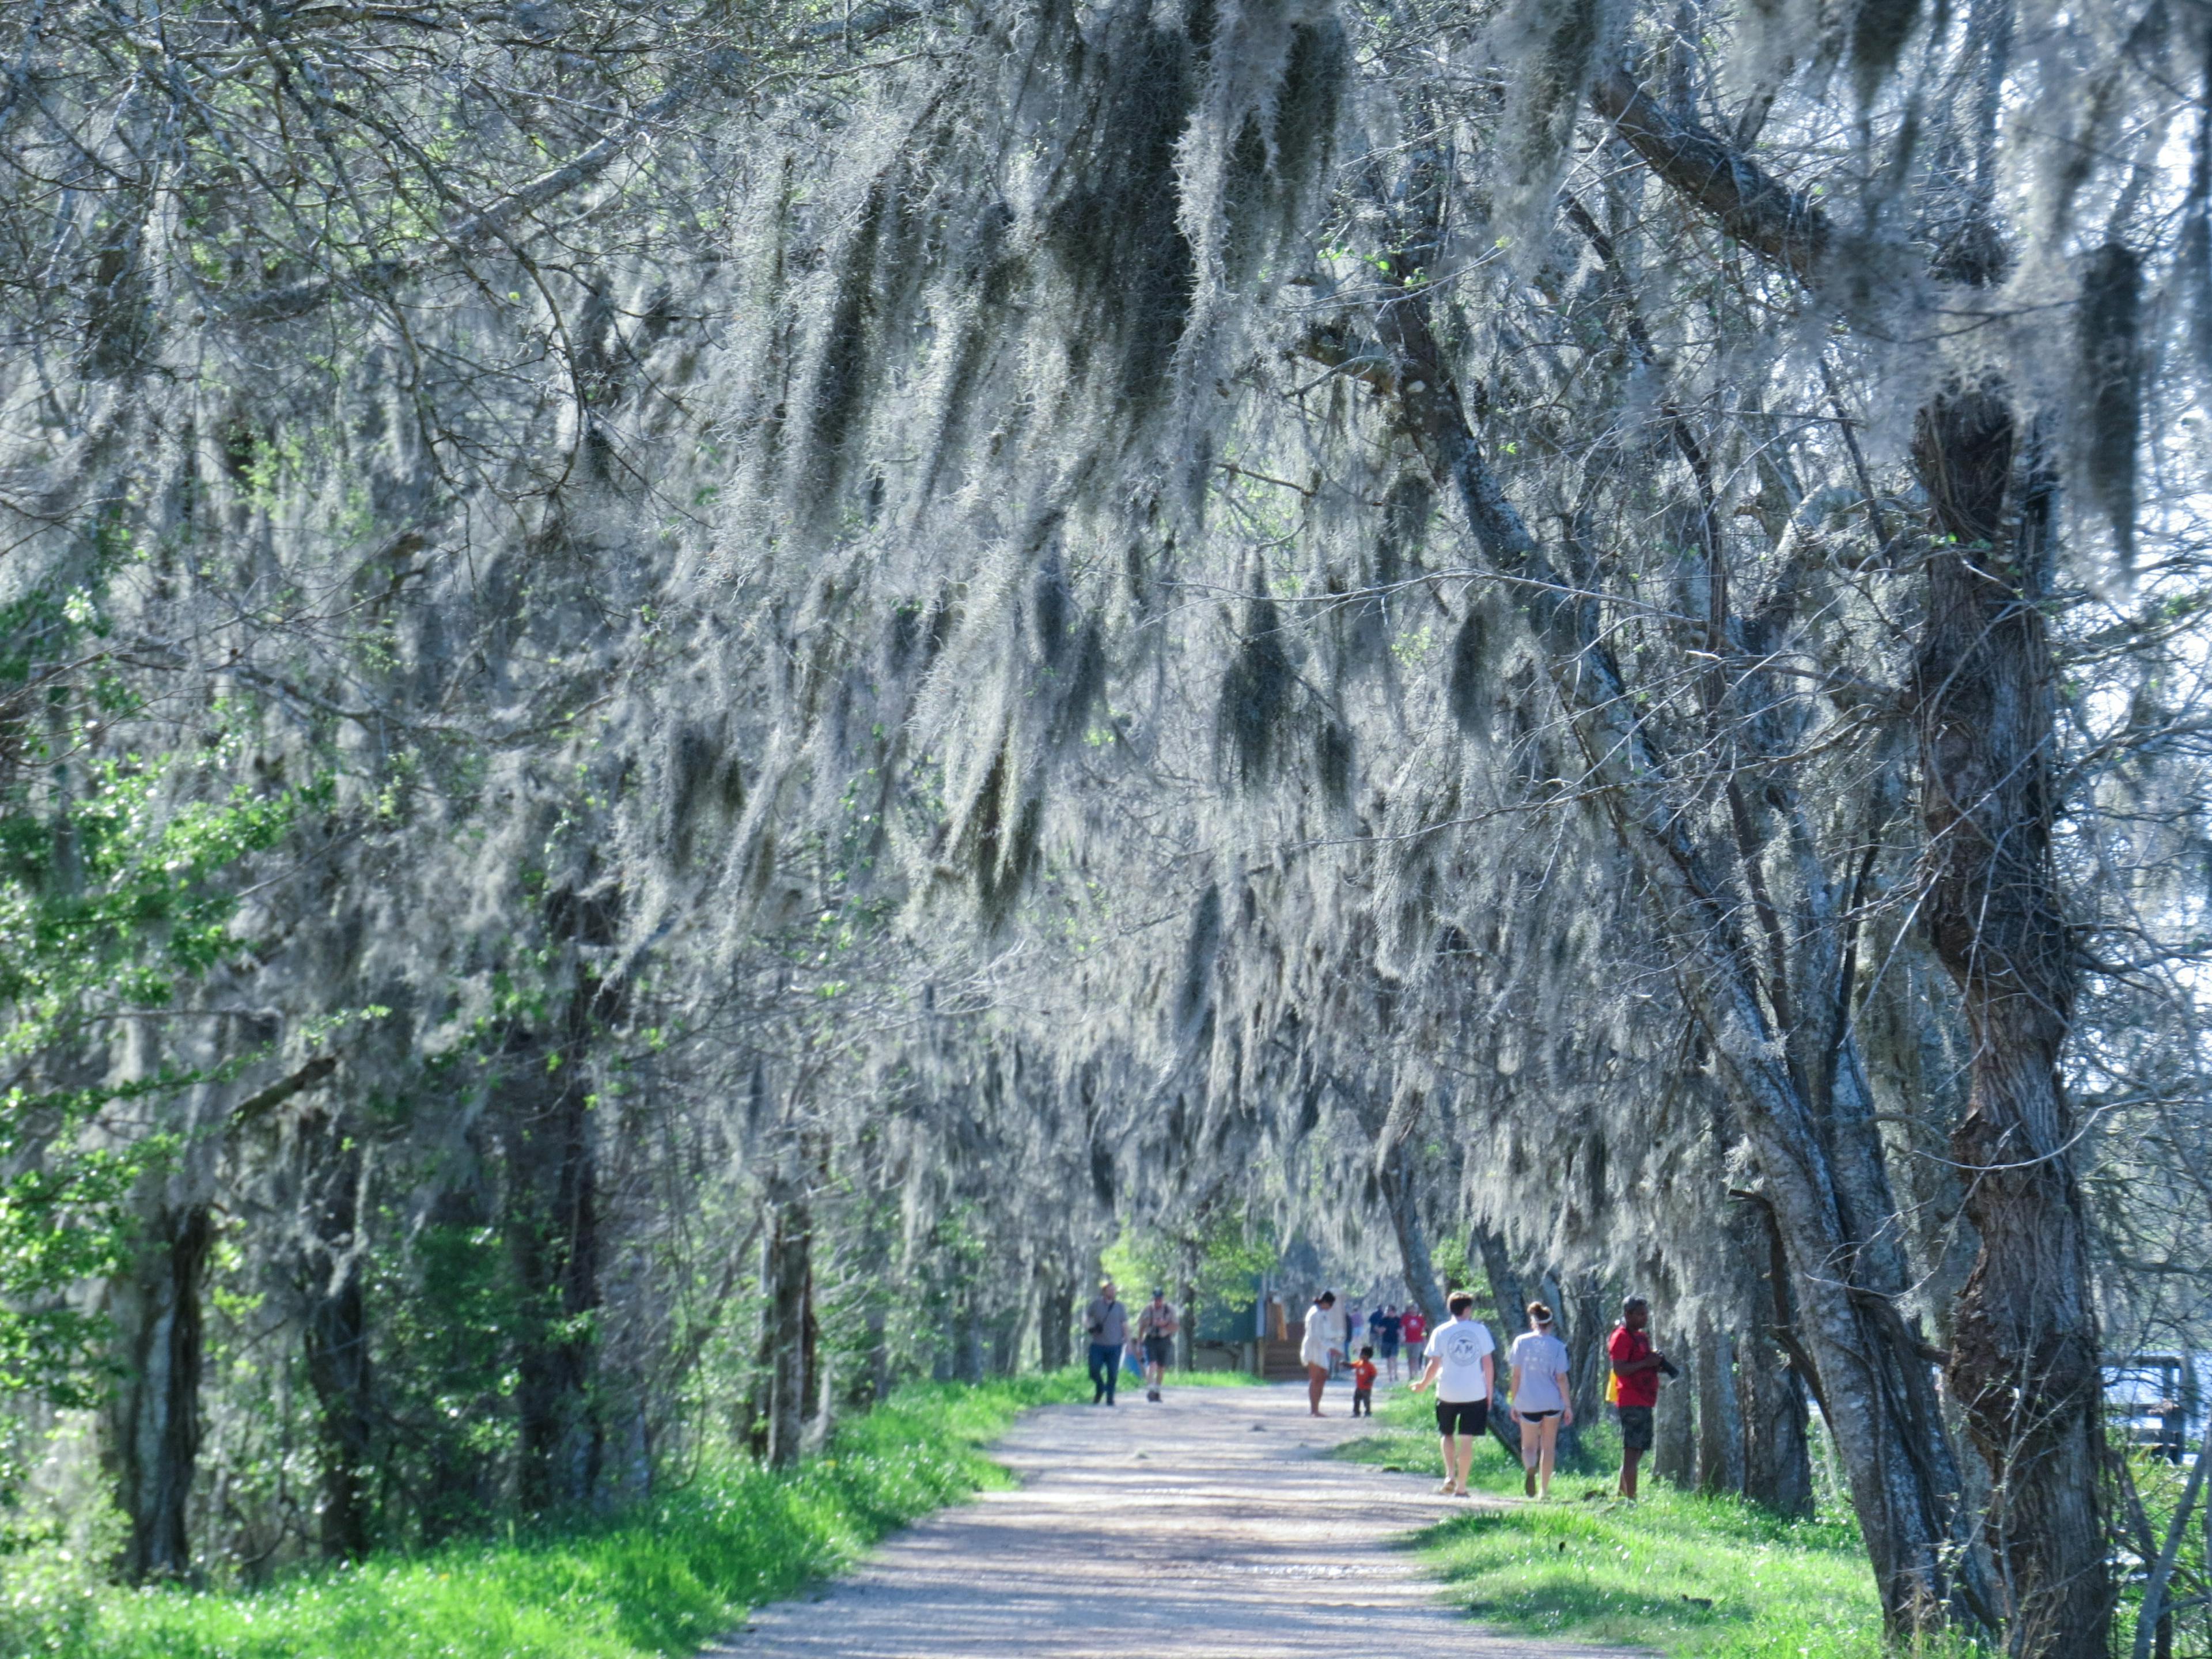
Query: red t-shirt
[1363,1375]
[1623,1347]
[1415,1329]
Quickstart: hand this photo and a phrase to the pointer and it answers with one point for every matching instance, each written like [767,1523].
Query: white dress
[1324,1331]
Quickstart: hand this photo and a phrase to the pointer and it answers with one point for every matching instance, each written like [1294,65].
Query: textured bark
[1056,1322]
[1414,1263]
[2024,1363]
[552,1230]
[1674,1428]
[153,1418]
[1720,1413]
[336,1339]
[787,1294]
[1508,1312]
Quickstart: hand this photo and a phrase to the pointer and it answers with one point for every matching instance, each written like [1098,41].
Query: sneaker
[1528,1482]
[1152,1394]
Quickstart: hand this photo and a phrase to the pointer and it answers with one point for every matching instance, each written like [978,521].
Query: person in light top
[1321,1347]
[1463,1365]
[1542,1403]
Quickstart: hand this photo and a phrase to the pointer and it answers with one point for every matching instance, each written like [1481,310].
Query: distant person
[1463,1364]
[1412,1336]
[1321,1347]
[1543,1400]
[1363,1383]
[1107,1323]
[1636,1366]
[1353,1330]
[1389,1329]
[1156,1329]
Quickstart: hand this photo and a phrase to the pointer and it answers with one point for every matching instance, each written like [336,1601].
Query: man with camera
[1637,1369]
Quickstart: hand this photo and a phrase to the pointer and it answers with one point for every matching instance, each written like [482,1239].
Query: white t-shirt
[1539,1360]
[1461,1345]
[1324,1331]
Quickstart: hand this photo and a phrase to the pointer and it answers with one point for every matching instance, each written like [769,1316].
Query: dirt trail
[1209,1525]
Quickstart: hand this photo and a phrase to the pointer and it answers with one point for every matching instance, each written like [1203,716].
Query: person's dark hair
[1459,1302]
[1158,1293]
[1367,1353]
[1539,1313]
[1326,1299]
[1630,1303]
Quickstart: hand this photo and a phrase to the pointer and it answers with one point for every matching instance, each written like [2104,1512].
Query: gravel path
[1208,1525]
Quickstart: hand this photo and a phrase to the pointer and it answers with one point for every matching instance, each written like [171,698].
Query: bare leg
[1629,1459]
[1466,1460]
[1316,1379]
[1548,1442]
[1445,1440]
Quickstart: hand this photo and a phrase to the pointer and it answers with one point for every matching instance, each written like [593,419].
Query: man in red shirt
[1636,1368]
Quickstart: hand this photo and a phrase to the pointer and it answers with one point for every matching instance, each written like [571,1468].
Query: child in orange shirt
[1363,1384]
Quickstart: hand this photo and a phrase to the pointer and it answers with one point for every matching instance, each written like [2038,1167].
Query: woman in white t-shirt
[1321,1346]
[1541,1398]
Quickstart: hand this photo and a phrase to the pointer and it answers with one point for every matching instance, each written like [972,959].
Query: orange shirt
[1363,1374]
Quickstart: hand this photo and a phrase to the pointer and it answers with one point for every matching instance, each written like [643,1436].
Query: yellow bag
[1611,1386]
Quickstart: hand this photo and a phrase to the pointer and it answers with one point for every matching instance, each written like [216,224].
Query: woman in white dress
[1541,1398]
[1318,1349]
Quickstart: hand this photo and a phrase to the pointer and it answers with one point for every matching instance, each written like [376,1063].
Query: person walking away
[1413,1337]
[1542,1399]
[1463,1365]
[1155,1329]
[1318,1349]
[1388,1327]
[1352,1330]
[1363,1383]
[1107,1323]
[1636,1370]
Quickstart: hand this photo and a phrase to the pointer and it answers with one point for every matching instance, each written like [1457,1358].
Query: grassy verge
[659,1581]
[1693,1577]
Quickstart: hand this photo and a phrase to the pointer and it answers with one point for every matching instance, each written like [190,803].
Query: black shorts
[1636,1428]
[1536,1416]
[1462,1417]
[1158,1349]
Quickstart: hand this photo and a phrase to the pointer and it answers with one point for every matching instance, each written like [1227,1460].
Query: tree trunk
[1510,1308]
[336,1341]
[1674,1428]
[1056,1323]
[1403,1200]
[1588,1364]
[153,1416]
[2024,1363]
[1778,1463]
[1720,1413]
[788,1293]
[552,1230]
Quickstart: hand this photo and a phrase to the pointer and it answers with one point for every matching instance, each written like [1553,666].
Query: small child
[1363,1384]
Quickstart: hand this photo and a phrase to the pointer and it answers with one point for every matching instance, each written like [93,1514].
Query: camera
[1666,1369]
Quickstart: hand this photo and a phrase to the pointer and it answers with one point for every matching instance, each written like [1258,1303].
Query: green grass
[659,1581]
[1699,1577]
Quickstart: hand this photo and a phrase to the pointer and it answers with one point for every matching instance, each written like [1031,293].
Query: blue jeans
[1105,1370]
